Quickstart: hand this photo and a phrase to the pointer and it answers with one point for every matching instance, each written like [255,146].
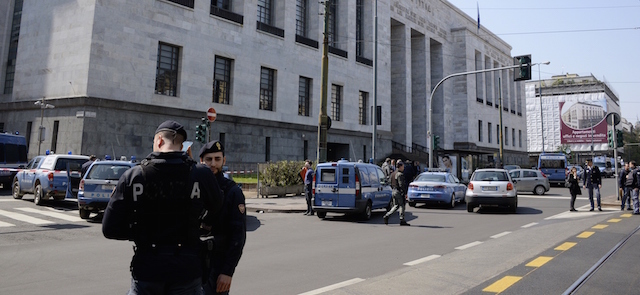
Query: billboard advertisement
[583,121]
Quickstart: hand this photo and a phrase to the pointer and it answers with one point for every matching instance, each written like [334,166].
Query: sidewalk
[298,204]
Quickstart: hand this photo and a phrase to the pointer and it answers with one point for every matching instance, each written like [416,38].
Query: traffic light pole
[323,122]
[615,161]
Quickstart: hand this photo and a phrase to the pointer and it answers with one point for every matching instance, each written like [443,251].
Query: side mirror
[514,181]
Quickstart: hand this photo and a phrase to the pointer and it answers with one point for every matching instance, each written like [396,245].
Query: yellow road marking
[565,246]
[540,261]
[615,220]
[585,234]
[599,226]
[502,284]
[625,215]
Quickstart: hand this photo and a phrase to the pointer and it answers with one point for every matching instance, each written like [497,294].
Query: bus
[13,155]
[554,166]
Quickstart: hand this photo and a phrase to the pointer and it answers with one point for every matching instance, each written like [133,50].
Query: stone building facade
[115,69]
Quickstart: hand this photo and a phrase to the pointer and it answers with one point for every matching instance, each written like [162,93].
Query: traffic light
[524,71]
[436,142]
[201,131]
[610,138]
[619,138]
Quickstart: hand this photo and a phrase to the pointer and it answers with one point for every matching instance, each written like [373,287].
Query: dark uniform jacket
[592,176]
[159,205]
[229,229]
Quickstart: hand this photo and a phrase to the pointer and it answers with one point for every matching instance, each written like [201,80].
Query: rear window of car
[431,177]
[74,164]
[530,174]
[107,172]
[490,176]
[328,175]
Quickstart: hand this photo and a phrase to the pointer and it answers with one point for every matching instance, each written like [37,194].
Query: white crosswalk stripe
[6,224]
[24,218]
[52,214]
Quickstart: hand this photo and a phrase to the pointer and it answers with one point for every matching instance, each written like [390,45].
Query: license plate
[426,196]
[490,188]
[108,187]
[326,203]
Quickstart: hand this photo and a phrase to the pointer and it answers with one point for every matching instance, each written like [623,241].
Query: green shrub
[282,173]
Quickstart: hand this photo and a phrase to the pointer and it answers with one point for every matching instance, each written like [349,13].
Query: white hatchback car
[492,187]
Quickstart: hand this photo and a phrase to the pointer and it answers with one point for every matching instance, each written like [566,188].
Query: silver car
[530,180]
[492,187]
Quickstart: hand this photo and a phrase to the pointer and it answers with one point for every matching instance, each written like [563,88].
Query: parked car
[46,177]
[350,187]
[554,166]
[97,185]
[530,180]
[511,167]
[13,156]
[605,170]
[436,188]
[491,187]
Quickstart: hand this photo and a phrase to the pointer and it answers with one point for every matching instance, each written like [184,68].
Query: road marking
[613,220]
[467,246]
[529,225]
[6,224]
[585,234]
[599,226]
[421,260]
[52,214]
[540,261]
[25,218]
[565,246]
[10,200]
[625,215]
[502,284]
[500,235]
[333,287]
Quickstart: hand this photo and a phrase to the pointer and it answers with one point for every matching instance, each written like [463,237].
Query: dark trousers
[212,284]
[626,197]
[573,201]
[152,288]
[308,196]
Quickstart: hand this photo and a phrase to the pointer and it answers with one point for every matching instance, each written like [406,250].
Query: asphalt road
[445,251]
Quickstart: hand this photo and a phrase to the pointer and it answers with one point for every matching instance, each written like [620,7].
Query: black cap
[173,126]
[211,147]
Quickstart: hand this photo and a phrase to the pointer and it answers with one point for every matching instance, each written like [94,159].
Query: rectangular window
[187,3]
[336,102]
[513,136]
[479,82]
[498,134]
[267,83]
[167,69]
[267,149]
[489,132]
[223,9]
[13,47]
[479,130]
[222,139]
[364,102]
[222,4]
[505,136]
[1,127]
[301,17]
[54,136]
[359,28]
[28,135]
[264,11]
[222,80]
[364,153]
[304,96]
[520,138]
[332,29]
[305,153]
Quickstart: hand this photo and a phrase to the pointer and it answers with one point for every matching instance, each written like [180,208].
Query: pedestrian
[418,169]
[308,182]
[230,228]
[592,181]
[392,166]
[160,205]
[399,186]
[86,165]
[626,184]
[386,168]
[635,172]
[574,187]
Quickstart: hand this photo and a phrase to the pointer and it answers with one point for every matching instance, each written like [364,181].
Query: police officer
[160,205]
[592,182]
[230,228]
[399,186]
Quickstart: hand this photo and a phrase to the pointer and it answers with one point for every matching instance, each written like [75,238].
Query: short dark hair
[399,163]
[632,162]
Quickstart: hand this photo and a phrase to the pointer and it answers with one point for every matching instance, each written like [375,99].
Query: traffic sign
[211,114]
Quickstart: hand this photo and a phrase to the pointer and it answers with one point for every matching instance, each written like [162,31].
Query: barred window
[267,83]
[264,11]
[364,103]
[301,18]
[332,29]
[479,130]
[167,69]
[359,27]
[224,4]
[336,102]
[187,3]
[304,96]
[222,80]
[489,132]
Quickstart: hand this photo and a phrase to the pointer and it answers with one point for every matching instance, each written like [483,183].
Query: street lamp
[541,118]
[43,106]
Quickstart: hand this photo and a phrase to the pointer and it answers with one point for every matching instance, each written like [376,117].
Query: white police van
[350,187]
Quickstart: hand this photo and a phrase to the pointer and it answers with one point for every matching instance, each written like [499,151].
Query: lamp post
[43,106]
[541,117]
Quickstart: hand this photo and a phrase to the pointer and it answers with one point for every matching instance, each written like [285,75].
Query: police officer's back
[159,205]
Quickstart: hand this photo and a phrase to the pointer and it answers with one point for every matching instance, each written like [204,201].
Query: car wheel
[17,194]
[84,213]
[37,194]
[539,190]
[513,208]
[321,215]
[453,201]
[366,215]
[412,204]
[470,207]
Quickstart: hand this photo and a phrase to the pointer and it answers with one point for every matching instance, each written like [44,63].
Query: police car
[97,185]
[350,188]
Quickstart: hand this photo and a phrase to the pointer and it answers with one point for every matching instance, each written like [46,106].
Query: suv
[46,177]
[350,187]
[530,180]
[492,187]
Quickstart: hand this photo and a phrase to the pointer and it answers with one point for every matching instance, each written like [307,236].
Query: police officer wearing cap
[230,228]
[160,205]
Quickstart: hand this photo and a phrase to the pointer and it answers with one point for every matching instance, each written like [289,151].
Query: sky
[584,37]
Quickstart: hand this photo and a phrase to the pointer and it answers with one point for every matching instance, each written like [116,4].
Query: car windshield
[74,164]
[431,177]
[490,176]
[107,172]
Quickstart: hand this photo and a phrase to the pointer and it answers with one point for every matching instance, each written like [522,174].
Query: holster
[208,245]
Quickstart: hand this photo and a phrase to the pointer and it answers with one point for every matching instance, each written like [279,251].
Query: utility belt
[174,249]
